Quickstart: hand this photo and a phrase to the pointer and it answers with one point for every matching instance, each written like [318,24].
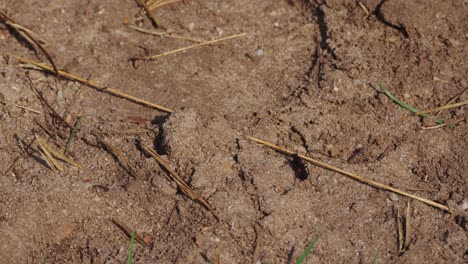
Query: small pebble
[191,26]
[393,197]
[464,205]
[276,24]
[259,52]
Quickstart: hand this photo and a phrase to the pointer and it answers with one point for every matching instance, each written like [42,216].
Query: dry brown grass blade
[123,159]
[153,19]
[445,107]
[58,154]
[164,34]
[218,254]
[27,108]
[43,146]
[29,36]
[157,4]
[128,231]
[350,174]
[407,226]
[182,185]
[192,46]
[401,243]
[364,8]
[448,123]
[404,229]
[95,85]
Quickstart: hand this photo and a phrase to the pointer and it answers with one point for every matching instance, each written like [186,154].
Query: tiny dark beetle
[299,168]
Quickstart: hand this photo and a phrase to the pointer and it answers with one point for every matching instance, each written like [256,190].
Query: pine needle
[350,174]
[95,85]
[123,159]
[29,36]
[445,107]
[184,187]
[192,46]
[43,146]
[128,231]
[50,150]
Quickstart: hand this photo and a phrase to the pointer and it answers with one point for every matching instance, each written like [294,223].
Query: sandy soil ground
[304,77]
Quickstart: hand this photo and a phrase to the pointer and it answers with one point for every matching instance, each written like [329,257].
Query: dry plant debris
[164,34]
[191,47]
[29,36]
[153,19]
[54,166]
[445,107]
[159,3]
[404,229]
[128,231]
[187,190]
[349,174]
[122,158]
[50,151]
[95,85]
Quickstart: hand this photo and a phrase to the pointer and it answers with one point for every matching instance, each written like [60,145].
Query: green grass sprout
[130,250]
[72,133]
[400,103]
[44,260]
[374,260]
[307,251]
[405,106]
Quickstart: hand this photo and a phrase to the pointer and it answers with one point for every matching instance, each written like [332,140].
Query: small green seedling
[402,104]
[374,260]
[307,251]
[130,250]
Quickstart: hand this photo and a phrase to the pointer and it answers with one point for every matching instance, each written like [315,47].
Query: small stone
[276,24]
[393,197]
[464,205]
[191,26]
[259,52]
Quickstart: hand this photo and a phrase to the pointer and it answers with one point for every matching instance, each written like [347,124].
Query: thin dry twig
[404,229]
[349,174]
[164,34]
[29,36]
[191,47]
[158,4]
[43,146]
[124,160]
[445,107]
[128,231]
[153,19]
[364,8]
[187,190]
[27,108]
[58,154]
[401,242]
[445,124]
[95,85]
[408,226]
